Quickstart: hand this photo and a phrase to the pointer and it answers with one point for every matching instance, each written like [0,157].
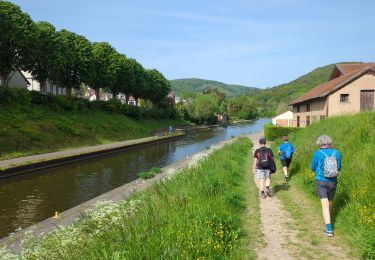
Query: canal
[32,197]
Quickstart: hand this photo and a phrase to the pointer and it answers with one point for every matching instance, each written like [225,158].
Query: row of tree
[70,60]
[203,108]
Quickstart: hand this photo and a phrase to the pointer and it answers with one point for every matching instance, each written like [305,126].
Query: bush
[146,175]
[272,132]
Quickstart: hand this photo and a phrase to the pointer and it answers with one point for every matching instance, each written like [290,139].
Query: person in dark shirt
[263,158]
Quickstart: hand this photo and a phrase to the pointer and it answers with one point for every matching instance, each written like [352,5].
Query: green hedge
[22,97]
[273,132]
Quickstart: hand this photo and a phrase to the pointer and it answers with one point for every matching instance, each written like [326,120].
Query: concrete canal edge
[16,166]
[26,164]
[13,242]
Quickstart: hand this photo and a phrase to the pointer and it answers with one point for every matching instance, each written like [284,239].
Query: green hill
[354,202]
[180,86]
[276,99]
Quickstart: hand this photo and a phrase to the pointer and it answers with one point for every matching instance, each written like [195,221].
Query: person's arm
[338,157]
[314,162]
[255,161]
[254,165]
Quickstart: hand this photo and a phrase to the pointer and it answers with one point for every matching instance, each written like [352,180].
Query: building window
[298,121]
[307,120]
[308,107]
[344,98]
[322,117]
[298,109]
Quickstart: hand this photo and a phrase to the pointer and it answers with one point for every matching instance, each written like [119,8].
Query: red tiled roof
[349,68]
[333,85]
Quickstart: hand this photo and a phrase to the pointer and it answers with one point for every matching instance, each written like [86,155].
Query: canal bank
[26,164]
[29,198]
[14,241]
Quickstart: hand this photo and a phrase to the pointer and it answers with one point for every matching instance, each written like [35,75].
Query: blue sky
[259,43]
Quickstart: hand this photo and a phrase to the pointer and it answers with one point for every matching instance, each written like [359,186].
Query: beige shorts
[263,174]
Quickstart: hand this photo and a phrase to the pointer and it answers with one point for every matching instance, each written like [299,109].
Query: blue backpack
[288,152]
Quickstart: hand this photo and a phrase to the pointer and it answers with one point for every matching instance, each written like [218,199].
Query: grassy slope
[199,213]
[36,129]
[354,203]
[180,86]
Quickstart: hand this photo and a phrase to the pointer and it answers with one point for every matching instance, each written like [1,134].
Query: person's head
[324,141]
[285,138]
[262,141]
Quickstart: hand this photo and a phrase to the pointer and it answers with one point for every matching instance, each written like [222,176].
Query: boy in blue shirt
[286,151]
[326,163]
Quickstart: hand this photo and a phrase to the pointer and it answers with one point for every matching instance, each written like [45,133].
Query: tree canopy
[17,40]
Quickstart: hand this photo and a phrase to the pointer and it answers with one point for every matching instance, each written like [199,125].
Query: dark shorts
[325,189]
[286,162]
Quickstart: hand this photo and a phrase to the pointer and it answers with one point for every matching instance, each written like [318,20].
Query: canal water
[32,197]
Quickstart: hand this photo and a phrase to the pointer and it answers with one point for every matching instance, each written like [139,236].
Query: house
[50,86]
[350,90]
[16,79]
[284,119]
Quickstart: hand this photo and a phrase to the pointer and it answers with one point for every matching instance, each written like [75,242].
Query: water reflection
[32,197]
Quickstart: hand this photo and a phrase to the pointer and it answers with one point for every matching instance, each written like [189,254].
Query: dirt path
[274,223]
[282,237]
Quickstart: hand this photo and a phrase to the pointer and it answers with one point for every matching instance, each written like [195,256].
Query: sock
[328,227]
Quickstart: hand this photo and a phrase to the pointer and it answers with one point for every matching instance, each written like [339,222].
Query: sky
[257,43]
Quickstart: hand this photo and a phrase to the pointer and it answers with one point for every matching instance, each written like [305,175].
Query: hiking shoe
[268,192]
[286,178]
[262,195]
[328,233]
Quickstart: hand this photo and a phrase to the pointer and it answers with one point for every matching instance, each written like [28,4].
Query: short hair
[285,138]
[323,140]
[262,141]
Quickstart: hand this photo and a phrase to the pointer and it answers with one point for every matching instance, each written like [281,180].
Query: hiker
[326,163]
[262,165]
[286,151]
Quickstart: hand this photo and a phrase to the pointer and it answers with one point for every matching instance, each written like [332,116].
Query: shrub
[146,175]
[272,132]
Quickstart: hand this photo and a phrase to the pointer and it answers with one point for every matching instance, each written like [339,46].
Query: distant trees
[242,107]
[70,60]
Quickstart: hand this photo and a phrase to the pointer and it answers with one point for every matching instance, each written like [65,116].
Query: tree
[104,66]
[17,43]
[124,78]
[205,107]
[75,67]
[139,89]
[47,58]
[159,86]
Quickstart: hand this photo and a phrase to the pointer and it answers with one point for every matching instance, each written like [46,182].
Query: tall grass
[354,203]
[196,214]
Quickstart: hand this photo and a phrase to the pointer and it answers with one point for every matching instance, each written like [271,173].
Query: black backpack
[264,158]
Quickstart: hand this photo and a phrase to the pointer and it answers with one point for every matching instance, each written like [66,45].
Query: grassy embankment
[354,203]
[35,129]
[207,211]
